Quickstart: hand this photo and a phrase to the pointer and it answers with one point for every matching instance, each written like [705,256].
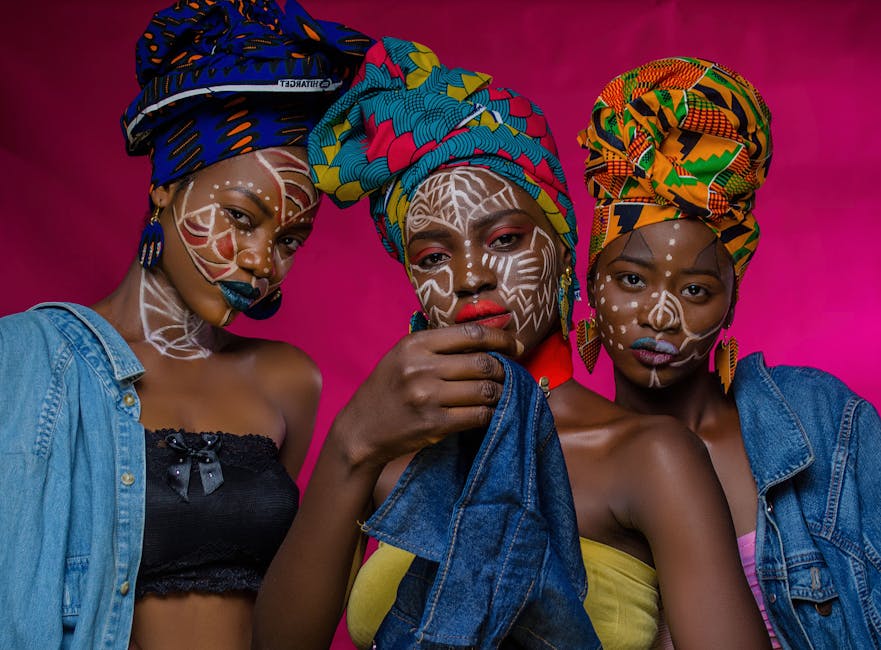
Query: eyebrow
[482,220]
[693,270]
[641,261]
[428,234]
[477,223]
[254,198]
[702,271]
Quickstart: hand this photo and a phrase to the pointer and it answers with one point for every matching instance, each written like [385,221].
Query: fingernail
[520,347]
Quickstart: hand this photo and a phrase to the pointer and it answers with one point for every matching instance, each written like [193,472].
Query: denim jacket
[491,520]
[71,480]
[815,452]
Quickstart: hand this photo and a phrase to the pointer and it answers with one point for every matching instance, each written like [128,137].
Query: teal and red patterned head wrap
[407,116]
[225,77]
[678,138]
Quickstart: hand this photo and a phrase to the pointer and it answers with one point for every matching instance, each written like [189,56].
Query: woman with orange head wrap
[677,149]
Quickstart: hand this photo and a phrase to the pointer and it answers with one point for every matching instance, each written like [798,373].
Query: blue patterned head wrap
[222,77]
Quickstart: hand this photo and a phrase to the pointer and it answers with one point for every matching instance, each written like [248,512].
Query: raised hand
[431,384]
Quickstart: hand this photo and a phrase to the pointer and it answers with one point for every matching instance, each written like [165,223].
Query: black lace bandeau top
[218,506]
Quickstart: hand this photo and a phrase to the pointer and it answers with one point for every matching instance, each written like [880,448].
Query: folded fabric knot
[203,32]
[220,78]
[407,116]
[678,138]
[178,474]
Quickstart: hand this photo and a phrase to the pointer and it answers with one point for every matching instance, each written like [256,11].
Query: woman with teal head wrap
[408,116]
[467,192]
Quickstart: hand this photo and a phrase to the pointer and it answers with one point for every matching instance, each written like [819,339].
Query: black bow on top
[178,474]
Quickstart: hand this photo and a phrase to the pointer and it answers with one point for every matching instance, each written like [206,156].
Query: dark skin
[431,384]
[701,276]
[212,380]
[642,485]
[690,392]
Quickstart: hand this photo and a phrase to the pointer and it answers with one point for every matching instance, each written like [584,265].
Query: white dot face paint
[663,300]
[237,250]
[214,234]
[473,238]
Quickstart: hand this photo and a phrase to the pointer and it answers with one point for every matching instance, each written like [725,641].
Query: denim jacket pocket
[812,583]
[817,605]
[75,570]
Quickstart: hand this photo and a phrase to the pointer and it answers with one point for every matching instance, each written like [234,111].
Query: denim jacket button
[124,587]
[772,598]
[769,508]
[127,478]
[824,608]
[128,399]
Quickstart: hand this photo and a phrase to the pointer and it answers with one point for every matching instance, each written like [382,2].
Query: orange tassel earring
[588,342]
[725,360]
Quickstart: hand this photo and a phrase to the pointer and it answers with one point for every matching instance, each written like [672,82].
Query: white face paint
[668,314]
[234,229]
[661,300]
[471,237]
[172,329]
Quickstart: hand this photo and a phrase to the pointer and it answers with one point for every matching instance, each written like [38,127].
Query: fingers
[462,418]
[468,366]
[469,393]
[470,337]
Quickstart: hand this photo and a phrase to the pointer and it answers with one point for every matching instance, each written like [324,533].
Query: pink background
[72,201]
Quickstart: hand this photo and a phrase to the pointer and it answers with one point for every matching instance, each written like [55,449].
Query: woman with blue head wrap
[152,452]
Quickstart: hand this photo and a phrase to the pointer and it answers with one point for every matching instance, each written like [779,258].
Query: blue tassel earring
[152,241]
[418,322]
[265,308]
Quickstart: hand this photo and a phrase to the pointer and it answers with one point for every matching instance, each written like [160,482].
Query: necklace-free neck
[172,329]
[550,363]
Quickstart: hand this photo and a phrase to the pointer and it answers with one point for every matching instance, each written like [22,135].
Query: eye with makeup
[430,258]
[506,238]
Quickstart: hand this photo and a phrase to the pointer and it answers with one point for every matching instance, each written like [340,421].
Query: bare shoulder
[590,424]
[279,367]
[290,382]
[621,463]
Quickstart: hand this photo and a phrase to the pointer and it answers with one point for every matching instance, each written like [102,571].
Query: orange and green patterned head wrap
[407,116]
[673,139]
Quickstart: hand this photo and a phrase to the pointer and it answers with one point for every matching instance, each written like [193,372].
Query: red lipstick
[485,312]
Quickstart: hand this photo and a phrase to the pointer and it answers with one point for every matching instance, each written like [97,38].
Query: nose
[665,314]
[256,256]
[473,274]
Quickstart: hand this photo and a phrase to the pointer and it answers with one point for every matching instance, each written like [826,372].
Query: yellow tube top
[622,595]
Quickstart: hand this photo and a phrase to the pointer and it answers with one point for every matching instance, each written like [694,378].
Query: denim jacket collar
[782,443]
[124,364]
